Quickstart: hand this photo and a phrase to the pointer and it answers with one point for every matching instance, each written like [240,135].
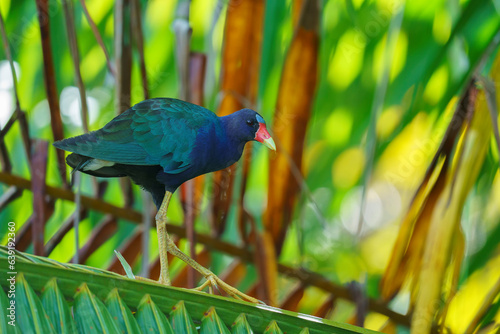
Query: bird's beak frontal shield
[264,137]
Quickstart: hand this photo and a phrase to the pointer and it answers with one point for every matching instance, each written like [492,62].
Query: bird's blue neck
[233,142]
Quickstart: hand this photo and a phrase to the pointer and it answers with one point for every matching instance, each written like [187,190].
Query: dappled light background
[390,76]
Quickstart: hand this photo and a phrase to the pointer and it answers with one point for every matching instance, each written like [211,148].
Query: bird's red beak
[264,137]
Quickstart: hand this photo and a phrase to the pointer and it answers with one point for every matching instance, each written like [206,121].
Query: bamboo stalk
[50,83]
[293,111]
[183,31]
[123,62]
[123,55]
[189,198]
[252,90]
[146,199]
[239,79]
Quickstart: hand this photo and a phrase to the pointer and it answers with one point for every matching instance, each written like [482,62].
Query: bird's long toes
[235,293]
[212,281]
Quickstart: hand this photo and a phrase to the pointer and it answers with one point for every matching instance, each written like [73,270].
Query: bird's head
[251,126]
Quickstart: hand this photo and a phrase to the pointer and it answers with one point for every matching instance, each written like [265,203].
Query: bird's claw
[212,281]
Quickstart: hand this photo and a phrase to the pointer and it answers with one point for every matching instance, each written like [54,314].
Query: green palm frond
[51,297]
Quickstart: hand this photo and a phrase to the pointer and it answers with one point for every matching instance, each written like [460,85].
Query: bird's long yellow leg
[166,244]
[161,229]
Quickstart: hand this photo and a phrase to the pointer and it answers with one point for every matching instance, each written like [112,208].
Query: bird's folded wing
[154,132]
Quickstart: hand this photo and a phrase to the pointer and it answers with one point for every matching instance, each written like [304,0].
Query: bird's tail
[79,162]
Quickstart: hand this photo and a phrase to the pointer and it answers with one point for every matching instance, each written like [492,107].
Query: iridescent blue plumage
[161,143]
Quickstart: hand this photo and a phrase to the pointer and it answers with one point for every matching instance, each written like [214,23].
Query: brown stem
[50,82]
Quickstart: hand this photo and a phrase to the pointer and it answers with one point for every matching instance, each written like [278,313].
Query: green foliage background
[439,45]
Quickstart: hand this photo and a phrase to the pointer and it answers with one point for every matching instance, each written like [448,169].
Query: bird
[161,143]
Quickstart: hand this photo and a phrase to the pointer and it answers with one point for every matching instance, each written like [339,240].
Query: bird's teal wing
[153,132]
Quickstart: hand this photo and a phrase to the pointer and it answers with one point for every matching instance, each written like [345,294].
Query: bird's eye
[250,122]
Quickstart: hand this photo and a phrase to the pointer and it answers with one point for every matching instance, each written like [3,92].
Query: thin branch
[73,47]
[146,198]
[182,29]
[98,37]
[210,79]
[76,222]
[146,237]
[123,55]
[123,62]
[39,168]
[139,40]
[50,82]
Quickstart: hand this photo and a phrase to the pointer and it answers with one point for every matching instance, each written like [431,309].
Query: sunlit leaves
[347,61]
[348,168]
[388,121]
[338,127]
[441,26]
[437,85]
[398,59]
